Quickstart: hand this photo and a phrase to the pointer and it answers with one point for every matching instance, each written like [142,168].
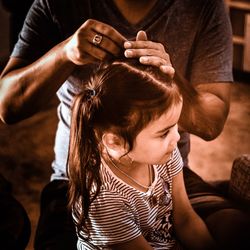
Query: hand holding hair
[94,41]
[149,53]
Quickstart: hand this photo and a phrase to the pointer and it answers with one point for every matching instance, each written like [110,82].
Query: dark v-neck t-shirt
[195,33]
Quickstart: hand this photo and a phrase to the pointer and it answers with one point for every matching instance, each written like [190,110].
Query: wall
[4,34]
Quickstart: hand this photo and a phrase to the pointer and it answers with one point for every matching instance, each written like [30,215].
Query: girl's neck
[139,176]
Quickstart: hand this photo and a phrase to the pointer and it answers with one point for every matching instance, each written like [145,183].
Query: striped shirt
[121,213]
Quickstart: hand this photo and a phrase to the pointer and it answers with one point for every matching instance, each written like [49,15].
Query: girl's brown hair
[122,97]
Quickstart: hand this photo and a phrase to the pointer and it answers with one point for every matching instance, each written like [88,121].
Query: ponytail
[84,158]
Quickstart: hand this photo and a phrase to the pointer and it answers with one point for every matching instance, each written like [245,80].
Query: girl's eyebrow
[165,129]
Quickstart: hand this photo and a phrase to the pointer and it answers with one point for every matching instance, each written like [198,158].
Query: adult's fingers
[153,60]
[106,30]
[94,52]
[141,36]
[149,53]
[143,45]
[106,44]
[81,43]
[162,64]
[137,53]
[168,70]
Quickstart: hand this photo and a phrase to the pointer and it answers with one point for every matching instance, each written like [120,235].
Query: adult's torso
[182,26]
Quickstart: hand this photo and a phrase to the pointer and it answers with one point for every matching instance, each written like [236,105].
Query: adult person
[60,36]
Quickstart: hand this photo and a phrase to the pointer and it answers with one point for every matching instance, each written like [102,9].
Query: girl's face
[155,143]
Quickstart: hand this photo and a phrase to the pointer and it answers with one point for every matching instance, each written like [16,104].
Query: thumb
[141,36]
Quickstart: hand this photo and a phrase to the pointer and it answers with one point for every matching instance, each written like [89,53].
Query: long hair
[122,97]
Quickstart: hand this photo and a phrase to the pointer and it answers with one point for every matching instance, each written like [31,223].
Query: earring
[130,159]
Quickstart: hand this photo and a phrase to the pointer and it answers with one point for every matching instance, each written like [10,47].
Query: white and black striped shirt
[121,213]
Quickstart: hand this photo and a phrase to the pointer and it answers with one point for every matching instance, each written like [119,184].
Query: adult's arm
[209,72]
[26,87]
[205,114]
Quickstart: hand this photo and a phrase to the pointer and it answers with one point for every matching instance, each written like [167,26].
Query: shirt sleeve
[212,52]
[111,220]
[39,33]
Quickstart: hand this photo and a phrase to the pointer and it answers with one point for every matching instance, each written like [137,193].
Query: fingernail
[164,68]
[127,45]
[128,53]
[168,70]
[143,59]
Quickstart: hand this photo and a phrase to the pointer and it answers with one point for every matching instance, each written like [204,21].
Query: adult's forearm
[205,116]
[205,107]
[24,90]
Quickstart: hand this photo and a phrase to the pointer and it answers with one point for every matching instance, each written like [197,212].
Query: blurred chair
[15,228]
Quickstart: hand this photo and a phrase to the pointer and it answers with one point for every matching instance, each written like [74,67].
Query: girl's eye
[165,134]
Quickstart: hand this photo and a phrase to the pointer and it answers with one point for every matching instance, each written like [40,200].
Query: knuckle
[158,63]
[89,22]
[167,58]
[148,44]
[104,29]
[110,32]
[78,55]
[107,31]
[78,47]
[112,49]
[161,46]
[91,49]
[102,55]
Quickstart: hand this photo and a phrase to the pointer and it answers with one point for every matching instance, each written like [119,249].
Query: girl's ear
[114,143]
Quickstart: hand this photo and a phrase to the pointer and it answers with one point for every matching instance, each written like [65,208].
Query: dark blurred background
[26,148]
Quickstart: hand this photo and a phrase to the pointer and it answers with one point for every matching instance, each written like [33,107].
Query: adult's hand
[149,53]
[80,48]
[22,82]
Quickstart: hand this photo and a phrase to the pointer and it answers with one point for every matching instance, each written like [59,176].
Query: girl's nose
[176,135]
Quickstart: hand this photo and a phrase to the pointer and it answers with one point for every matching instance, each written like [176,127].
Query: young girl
[126,181]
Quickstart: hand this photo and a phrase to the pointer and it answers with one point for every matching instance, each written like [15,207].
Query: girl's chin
[164,159]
